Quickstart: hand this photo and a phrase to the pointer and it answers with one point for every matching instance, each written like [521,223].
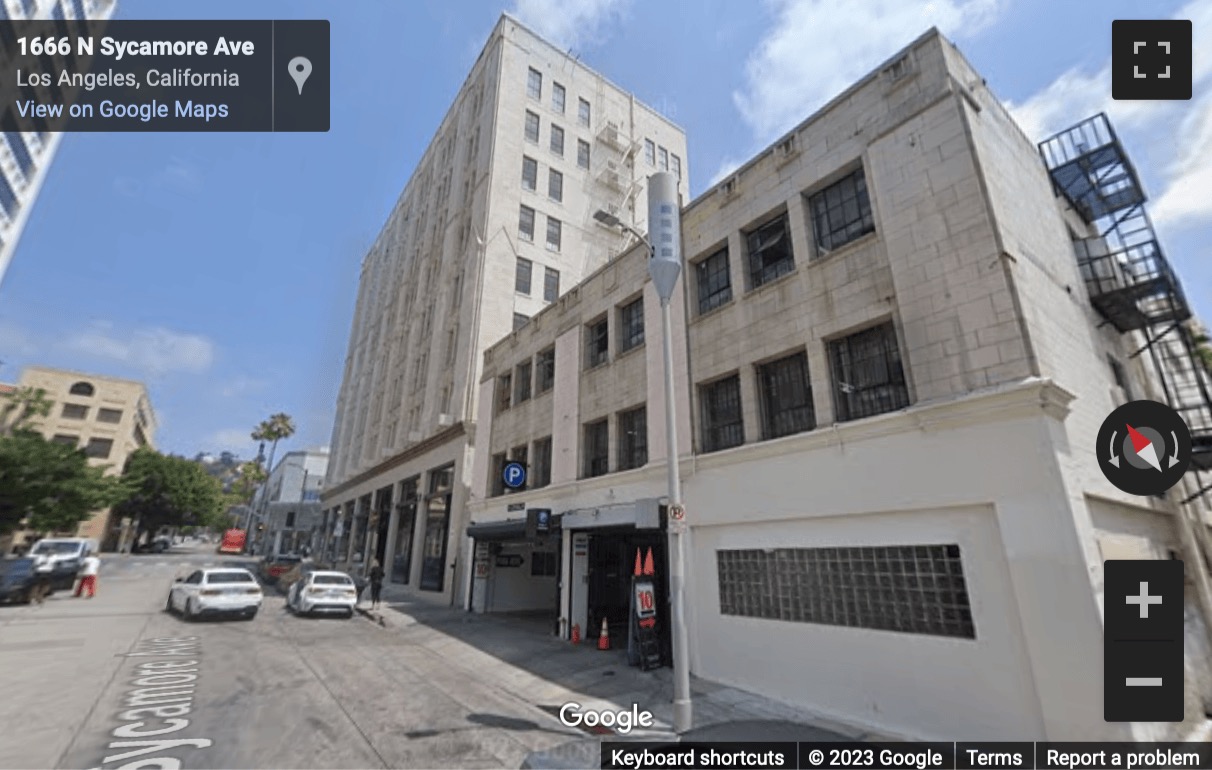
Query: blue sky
[222,268]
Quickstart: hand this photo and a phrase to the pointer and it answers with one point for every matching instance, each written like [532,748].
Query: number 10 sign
[645,599]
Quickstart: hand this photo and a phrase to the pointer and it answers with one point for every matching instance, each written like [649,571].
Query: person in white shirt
[88,576]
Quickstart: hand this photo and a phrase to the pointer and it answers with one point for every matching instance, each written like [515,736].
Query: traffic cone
[604,637]
[649,569]
[638,569]
[576,633]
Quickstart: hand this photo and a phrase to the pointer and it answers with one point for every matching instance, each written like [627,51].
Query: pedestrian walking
[88,576]
[376,583]
[43,566]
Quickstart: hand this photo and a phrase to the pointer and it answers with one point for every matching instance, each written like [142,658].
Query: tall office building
[497,222]
[25,157]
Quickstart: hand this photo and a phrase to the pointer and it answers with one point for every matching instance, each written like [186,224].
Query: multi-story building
[495,224]
[25,157]
[288,504]
[903,326]
[107,417]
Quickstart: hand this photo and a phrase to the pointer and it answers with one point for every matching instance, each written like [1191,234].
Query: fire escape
[614,156]
[1130,283]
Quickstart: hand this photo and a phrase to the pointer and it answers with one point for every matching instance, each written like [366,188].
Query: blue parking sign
[514,475]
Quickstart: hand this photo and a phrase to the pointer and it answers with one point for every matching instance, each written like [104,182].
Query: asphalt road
[117,681]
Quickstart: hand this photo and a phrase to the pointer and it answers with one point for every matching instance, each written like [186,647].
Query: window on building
[714,281]
[99,448]
[663,155]
[521,277]
[633,439]
[769,251]
[867,375]
[497,469]
[518,455]
[543,564]
[532,127]
[554,232]
[631,325]
[519,320]
[786,396]
[551,285]
[583,112]
[915,589]
[597,345]
[597,449]
[650,152]
[526,223]
[82,389]
[841,213]
[20,152]
[113,416]
[721,410]
[504,391]
[75,411]
[558,95]
[521,383]
[544,375]
[540,471]
[555,186]
[677,165]
[534,84]
[65,439]
[557,140]
[530,173]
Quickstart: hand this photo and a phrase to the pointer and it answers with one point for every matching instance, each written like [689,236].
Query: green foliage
[279,426]
[22,406]
[50,485]
[167,491]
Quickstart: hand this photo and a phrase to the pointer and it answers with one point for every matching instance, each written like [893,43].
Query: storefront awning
[513,529]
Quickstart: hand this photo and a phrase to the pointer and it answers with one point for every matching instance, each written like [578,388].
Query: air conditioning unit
[445,420]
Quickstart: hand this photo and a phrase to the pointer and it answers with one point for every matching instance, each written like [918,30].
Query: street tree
[50,486]
[167,491]
[21,407]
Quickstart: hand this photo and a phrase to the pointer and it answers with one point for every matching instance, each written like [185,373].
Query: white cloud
[237,440]
[817,48]
[570,23]
[152,351]
[727,166]
[1188,193]
[178,175]
[241,385]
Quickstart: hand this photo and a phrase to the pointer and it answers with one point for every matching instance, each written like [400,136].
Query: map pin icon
[300,69]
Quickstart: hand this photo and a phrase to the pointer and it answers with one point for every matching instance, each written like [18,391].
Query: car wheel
[191,611]
[250,615]
[349,615]
[168,604]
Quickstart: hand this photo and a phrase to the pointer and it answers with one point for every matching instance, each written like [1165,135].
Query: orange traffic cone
[648,568]
[638,569]
[604,637]
[576,633]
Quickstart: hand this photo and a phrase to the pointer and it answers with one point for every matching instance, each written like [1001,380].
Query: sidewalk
[517,656]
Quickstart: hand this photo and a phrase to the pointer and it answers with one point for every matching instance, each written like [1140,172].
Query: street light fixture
[664,267]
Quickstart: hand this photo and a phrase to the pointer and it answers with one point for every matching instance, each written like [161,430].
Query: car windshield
[230,577]
[331,580]
[55,547]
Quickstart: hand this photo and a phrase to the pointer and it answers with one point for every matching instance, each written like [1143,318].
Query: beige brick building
[107,417]
[895,364]
[494,225]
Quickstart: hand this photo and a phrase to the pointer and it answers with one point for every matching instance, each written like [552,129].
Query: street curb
[371,615]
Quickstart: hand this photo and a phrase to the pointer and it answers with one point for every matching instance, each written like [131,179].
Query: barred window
[786,396]
[714,281]
[544,375]
[721,409]
[530,173]
[631,325]
[769,252]
[867,375]
[540,474]
[597,449]
[633,438]
[521,278]
[915,589]
[551,285]
[841,213]
[526,223]
[534,84]
[532,127]
[521,383]
[597,344]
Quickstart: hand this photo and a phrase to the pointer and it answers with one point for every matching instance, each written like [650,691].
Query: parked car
[323,591]
[17,579]
[273,567]
[216,591]
[157,545]
[66,554]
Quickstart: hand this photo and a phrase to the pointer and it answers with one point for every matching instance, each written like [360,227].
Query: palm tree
[27,404]
[279,426]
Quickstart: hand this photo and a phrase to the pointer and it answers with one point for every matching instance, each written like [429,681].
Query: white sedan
[220,591]
[323,591]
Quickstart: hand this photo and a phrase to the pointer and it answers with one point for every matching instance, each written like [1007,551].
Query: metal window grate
[786,394]
[631,325]
[722,422]
[597,347]
[541,471]
[769,252]
[633,438]
[544,371]
[597,449]
[521,383]
[841,213]
[868,378]
[916,589]
[715,283]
